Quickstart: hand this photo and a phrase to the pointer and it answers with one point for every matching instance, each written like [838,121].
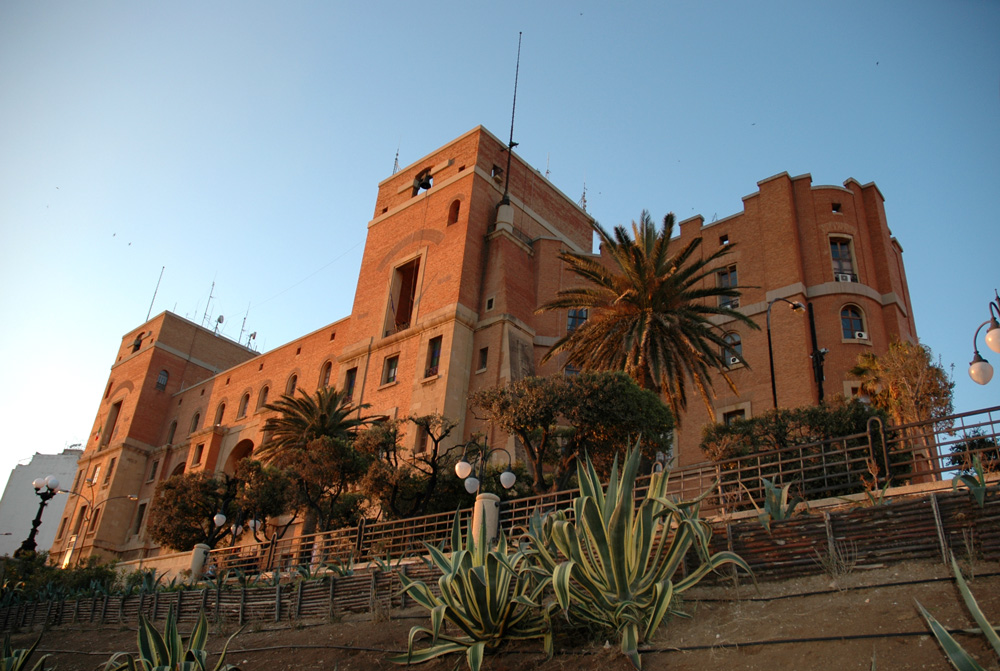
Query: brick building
[445,305]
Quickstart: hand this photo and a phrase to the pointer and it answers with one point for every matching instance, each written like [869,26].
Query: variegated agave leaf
[490,595]
[613,563]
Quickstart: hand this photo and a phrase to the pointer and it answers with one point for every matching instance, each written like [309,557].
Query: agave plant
[976,481]
[12,659]
[612,563]
[168,652]
[777,505]
[488,594]
[956,654]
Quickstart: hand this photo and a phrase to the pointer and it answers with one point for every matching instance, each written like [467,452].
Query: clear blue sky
[242,143]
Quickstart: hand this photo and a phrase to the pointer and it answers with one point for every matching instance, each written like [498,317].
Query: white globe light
[254,525]
[38,483]
[507,479]
[219,519]
[980,370]
[993,337]
[52,482]
[463,469]
[472,485]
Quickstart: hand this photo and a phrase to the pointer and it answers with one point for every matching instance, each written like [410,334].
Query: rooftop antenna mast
[511,144]
[204,317]
[243,326]
[154,293]
[395,167]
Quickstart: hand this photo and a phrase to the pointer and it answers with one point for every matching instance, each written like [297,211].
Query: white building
[19,504]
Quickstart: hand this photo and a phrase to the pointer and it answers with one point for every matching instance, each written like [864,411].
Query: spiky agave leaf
[613,564]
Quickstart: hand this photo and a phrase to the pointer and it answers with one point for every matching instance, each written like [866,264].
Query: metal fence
[909,454]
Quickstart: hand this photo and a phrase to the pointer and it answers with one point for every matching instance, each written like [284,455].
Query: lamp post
[486,514]
[45,488]
[796,307]
[980,369]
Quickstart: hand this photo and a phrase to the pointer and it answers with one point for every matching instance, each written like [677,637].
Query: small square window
[733,415]
[489,304]
[836,208]
[724,239]
[484,356]
[389,369]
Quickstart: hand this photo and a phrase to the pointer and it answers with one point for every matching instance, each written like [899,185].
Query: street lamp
[45,488]
[482,455]
[980,369]
[486,514]
[796,307]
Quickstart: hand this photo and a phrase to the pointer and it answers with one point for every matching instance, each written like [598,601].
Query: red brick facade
[444,258]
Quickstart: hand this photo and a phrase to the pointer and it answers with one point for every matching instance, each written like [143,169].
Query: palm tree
[303,419]
[648,312]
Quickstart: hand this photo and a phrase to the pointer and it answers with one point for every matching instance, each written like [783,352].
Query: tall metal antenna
[511,144]
[395,167]
[154,293]
[204,317]
[244,324]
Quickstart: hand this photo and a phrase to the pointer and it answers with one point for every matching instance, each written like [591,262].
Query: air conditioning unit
[860,335]
[733,360]
[845,277]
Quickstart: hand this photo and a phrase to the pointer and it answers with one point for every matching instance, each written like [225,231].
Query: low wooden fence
[925,527]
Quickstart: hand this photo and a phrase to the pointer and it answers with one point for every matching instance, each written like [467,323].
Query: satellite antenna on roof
[218,323]
[511,144]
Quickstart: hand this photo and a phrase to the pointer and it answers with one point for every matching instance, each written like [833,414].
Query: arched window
[324,376]
[732,353]
[852,321]
[171,431]
[456,207]
[244,402]
[161,380]
[195,422]
[220,413]
[292,383]
[262,397]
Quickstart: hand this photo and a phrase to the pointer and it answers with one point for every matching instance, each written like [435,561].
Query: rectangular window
[199,452]
[138,519]
[733,415]
[62,527]
[577,316]
[350,379]
[93,476]
[484,356]
[111,469]
[80,517]
[843,264]
[421,445]
[152,470]
[109,425]
[93,521]
[727,279]
[389,369]
[402,297]
[433,356]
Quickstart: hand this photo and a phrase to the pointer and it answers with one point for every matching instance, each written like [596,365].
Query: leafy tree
[311,441]
[976,441]
[184,505]
[265,492]
[649,311]
[405,484]
[559,418]
[906,383]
